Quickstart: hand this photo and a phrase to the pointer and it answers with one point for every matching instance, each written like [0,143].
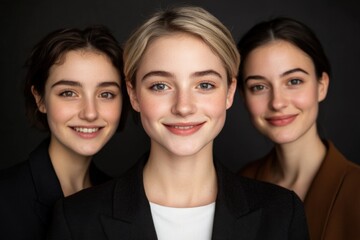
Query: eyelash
[155,86]
[66,94]
[206,86]
[298,81]
[69,94]
[109,95]
[257,88]
[209,85]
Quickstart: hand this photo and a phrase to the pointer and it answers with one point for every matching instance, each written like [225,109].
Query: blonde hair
[191,20]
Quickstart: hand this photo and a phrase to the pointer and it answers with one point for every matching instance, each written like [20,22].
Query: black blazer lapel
[46,183]
[116,229]
[233,217]
[131,210]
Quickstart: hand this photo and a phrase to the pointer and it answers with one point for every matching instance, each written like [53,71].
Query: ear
[323,86]
[231,93]
[39,101]
[132,95]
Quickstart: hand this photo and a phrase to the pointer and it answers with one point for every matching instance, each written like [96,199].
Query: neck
[71,169]
[298,162]
[180,181]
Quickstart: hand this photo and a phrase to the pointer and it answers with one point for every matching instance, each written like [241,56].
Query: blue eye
[206,86]
[159,87]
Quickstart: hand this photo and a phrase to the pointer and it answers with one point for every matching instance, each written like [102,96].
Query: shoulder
[97,176]
[262,194]
[350,170]
[278,211]
[351,181]
[85,207]
[17,188]
[91,198]
[253,168]
[13,177]
[257,194]
[101,197]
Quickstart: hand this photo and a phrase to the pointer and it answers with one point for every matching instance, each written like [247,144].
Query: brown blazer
[332,204]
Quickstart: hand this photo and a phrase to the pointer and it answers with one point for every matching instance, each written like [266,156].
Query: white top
[183,223]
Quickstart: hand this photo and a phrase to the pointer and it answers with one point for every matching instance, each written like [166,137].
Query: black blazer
[28,192]
[245,209]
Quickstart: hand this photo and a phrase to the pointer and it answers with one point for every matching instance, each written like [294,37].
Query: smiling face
[82,102]
[282,91]
[182,94]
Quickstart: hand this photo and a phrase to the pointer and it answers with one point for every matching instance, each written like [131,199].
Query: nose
[89,110]
[278,100]
[184,103]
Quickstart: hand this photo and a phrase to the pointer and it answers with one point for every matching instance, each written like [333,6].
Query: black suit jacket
[245,209]
[28,192]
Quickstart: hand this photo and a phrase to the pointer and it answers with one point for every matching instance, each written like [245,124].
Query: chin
[184,152]
[283,139]
[88,152]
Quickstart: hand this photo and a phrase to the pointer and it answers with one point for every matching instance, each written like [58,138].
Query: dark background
[24,23]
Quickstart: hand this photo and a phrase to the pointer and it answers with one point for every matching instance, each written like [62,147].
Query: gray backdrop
[337,24]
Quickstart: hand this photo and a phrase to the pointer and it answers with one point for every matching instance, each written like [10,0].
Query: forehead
[84,66]
[277,55]
[179,52]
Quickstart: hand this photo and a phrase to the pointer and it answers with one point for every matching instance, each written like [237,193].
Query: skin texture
[83,105]
[182,95]
[180,82]
[282,92]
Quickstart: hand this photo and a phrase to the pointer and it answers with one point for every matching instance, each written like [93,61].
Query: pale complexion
[182,95]
[282,94]
[83,105]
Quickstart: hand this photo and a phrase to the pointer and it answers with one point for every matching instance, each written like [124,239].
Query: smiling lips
[87,132]
[280,121]
[184,129]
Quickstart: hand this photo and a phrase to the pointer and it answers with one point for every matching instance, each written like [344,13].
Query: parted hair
[285,29]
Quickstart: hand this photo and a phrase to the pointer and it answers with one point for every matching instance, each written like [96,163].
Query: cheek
[111,112]
[256,105]
[58,111]
[215,106]
[151,109]
[306,100]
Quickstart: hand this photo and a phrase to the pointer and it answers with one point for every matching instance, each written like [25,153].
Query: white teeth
[183,127]
[86,130]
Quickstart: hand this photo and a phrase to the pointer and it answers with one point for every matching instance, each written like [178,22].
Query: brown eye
[67,94]
[257,88]
[295,81]
[107,95]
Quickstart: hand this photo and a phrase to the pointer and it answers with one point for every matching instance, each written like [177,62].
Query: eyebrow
[77,84]
[206,73]
[156,74]
[195,74]
[294,70]
[259,77]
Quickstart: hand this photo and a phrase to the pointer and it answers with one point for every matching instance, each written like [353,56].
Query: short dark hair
[52,48]
[286,29]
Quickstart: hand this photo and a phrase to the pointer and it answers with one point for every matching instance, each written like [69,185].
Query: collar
[132,213]
[329,179]
[47,185]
